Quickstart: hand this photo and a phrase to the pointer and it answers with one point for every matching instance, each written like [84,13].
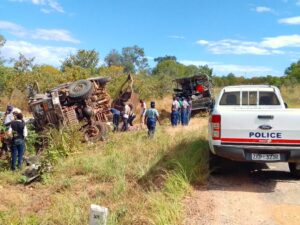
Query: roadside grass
[291,95]
[140,180]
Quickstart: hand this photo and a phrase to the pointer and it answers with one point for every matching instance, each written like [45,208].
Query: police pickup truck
[252,123]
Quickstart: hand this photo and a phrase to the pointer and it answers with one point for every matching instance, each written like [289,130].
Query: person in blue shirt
[116,118]
[151,116]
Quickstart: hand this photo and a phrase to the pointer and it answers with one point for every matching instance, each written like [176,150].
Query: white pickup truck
[252,123]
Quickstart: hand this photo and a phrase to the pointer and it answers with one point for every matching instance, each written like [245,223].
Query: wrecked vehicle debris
[198,88]
[83,100]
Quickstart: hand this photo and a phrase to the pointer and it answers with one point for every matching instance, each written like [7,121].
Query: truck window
[268,98]
[249,98]
[230,98]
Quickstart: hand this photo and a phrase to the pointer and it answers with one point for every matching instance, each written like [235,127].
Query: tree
[114,58]
[23,64]
[166,57]
[133,59]
[206,70]
[169,68]
[293,71]
[86,59]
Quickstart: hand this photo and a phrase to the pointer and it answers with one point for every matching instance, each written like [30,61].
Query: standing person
[18,131]
[131,115]
[143,111]
[151,116]
[184,112]
[116,118]
[174,112]
[179,110]
[9,117]
[125,117]
[190,107]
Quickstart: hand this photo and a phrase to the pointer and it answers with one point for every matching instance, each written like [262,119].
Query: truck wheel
[295,169]
[214,164]
[80,89]
[95,132]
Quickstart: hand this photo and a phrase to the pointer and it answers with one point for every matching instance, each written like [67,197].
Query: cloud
[13,28]
[263,9]
[176,37]
[51,5]
[281,41]
[223,69]
[43,54]
[267,46]
[236,47]
[55,35]
[290,20]
[41,34]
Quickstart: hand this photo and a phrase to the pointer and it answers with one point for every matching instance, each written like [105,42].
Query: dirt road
[246,194]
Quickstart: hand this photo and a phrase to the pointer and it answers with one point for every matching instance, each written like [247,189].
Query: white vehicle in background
[252,123]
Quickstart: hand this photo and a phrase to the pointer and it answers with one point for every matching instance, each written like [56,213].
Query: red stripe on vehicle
[265,141]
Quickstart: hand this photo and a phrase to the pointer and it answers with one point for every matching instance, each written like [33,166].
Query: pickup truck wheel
[214,163]
[295,169]
[80,89]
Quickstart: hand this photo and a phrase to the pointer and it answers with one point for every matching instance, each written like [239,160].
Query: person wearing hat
[18,132]
[151,116]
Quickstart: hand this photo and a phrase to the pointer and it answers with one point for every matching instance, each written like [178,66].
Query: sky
[248,37]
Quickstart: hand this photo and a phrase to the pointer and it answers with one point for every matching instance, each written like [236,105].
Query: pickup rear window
[249,98]
[268,98]
[230,98]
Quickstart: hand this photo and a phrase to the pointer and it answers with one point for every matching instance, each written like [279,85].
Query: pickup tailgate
[260,126]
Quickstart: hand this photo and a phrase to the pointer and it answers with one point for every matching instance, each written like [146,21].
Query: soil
[246,194]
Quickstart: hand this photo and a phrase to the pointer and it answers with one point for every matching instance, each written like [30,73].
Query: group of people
[17,132]
[181,111]
[128,117]
[147,116]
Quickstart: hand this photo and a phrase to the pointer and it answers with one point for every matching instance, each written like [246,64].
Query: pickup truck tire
[80,89]
[294,169]
[215,164]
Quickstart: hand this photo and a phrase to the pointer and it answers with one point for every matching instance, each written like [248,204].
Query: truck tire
[96,132]
[80,89]
[295,169]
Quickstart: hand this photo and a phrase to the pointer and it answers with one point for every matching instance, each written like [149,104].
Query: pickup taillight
[216,127]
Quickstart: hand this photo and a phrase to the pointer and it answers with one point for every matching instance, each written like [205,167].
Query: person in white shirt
[125,117]
[184,112]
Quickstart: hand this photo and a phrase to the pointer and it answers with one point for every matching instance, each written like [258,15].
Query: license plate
[265,157]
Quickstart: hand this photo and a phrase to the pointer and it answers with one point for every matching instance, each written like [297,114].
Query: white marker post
[98,215]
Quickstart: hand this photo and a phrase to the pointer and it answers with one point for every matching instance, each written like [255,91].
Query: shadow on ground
[248,177]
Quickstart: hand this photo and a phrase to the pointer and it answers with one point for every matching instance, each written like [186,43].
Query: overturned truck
[198,89]
[71,103]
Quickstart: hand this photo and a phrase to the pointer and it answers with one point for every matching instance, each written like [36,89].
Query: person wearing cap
[18,132]
[151,116]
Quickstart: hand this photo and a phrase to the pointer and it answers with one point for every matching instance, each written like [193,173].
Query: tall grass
[140,180]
